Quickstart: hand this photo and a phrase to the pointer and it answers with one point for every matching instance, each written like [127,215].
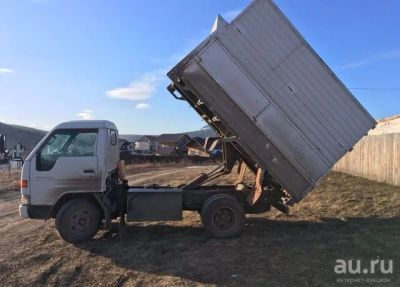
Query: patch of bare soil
[344,218]
[9,181]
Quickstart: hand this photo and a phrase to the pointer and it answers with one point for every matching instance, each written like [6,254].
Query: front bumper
[34,211]
[23,211]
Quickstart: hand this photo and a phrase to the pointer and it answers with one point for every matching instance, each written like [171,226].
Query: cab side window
[66,143]
[84,144]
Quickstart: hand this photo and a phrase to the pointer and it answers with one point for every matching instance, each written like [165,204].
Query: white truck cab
[74,158]
[75,176]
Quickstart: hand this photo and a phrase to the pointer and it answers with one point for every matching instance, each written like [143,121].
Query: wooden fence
[376,157]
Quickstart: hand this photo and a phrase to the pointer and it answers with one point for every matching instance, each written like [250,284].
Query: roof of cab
[87,124]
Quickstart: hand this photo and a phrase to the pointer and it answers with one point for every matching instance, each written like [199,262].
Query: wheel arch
[69,196]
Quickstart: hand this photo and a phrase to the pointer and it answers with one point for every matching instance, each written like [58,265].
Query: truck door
[66,163]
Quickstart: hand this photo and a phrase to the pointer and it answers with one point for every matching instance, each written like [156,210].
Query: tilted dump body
[262,87]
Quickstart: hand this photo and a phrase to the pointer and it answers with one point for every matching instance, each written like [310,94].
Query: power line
[376,89]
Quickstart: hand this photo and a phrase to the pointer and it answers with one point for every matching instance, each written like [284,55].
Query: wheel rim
[81,220]
[224,218]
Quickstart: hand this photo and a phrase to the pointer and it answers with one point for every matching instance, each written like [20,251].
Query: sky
[66,60]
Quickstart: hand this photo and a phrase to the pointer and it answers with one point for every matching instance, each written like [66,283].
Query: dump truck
[279,110]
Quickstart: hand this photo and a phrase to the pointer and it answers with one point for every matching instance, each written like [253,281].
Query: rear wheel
[223,216]
[78,220]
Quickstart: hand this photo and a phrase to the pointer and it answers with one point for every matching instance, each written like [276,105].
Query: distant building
[146,144]
[172,144]
[18,151]
[214,146]
[209,147]
[195,147]
[126,146]
[388,125]
[130,138]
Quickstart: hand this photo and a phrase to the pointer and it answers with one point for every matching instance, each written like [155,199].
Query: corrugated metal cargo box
[286,108]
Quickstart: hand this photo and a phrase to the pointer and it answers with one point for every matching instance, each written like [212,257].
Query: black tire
[78,220]
[211,199]
[223,216]
[208,201]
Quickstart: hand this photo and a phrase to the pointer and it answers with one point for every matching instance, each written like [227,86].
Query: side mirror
[3,144]
[113,135]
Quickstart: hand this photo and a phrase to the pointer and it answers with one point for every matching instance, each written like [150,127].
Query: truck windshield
[66,143]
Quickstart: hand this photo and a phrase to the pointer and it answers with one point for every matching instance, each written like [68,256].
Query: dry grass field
[344,218]
[9,182]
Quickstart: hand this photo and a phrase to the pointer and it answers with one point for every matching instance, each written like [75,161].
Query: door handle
[88,171]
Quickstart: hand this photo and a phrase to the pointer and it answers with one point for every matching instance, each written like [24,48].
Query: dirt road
[344,218]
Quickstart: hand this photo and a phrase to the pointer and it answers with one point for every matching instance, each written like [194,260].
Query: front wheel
[78,220]
[223,216]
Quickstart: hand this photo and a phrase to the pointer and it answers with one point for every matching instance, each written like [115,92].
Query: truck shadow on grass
[270,252]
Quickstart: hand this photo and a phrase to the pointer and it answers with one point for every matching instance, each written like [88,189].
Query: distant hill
[203,133]
[28,137]
[130,138]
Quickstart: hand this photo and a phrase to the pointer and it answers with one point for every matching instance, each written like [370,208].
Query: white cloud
[6,71]
[357,64]
[86,115]
[230,15]
[142,106]
[394,54]
[388,55]
[140,89]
